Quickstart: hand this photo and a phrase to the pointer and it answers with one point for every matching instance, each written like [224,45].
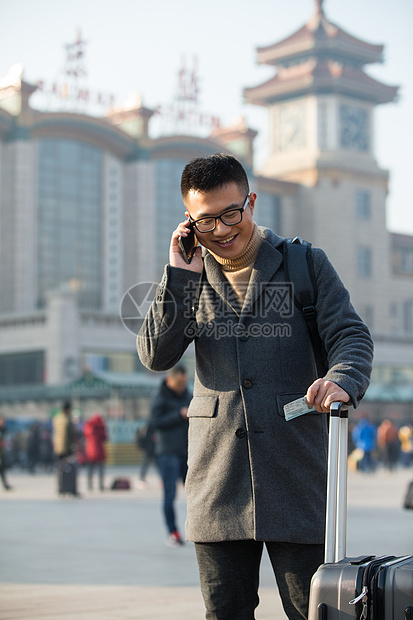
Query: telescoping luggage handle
[336,511]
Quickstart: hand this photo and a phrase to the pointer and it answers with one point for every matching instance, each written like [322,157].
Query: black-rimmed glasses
[229,218]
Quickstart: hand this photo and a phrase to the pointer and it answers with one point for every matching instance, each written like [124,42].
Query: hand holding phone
[183,251]
[188,244]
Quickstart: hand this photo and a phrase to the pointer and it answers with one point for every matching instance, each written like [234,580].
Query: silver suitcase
[364,587]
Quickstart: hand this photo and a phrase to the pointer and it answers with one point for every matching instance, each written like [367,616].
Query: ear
[253,198]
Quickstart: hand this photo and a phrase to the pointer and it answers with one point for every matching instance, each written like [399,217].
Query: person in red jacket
[95,437]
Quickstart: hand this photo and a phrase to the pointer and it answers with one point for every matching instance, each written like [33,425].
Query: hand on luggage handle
[338,406]
[336,510]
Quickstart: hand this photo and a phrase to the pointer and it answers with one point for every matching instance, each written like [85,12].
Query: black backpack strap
[299,270]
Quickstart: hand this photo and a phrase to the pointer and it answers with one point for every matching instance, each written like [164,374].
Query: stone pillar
[63,347]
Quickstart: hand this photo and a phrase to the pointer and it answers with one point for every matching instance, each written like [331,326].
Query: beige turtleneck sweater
[238,270]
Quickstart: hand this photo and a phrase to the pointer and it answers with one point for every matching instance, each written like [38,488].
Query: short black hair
[205,174]
[179,369]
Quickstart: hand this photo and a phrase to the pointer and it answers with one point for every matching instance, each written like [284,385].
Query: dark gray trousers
[229,575]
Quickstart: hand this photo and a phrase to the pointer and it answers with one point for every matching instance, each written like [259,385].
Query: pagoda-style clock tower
[320,100]
[321,134]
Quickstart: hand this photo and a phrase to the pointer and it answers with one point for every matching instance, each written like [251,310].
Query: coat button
[247,383]
[244,338]
[240,433]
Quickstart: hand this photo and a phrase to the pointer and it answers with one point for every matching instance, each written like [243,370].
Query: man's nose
[220,227]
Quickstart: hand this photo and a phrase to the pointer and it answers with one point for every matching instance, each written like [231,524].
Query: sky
[138,46]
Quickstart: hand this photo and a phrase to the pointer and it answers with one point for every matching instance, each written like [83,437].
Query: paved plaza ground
[104,555]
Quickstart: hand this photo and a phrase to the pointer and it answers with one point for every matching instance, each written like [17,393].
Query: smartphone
[188,244]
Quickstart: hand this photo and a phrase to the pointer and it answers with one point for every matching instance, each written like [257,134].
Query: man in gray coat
[253,477]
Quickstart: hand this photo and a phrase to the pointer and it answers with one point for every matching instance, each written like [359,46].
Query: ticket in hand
[296,408]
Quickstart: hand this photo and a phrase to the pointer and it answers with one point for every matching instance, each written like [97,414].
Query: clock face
[292,131]
[354,128]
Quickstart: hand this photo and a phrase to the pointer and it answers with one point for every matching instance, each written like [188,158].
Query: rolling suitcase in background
[67,477]
[364,587]
[121,484]
[408,500]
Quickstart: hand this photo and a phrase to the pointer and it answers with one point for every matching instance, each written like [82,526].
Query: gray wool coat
[252,474]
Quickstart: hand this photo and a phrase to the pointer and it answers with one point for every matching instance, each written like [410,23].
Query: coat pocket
[203,407]
[284,399]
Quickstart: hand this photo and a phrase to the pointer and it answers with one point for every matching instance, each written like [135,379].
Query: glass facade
[268,211]
[70,219]
[22,368]
[169,209]
[96,361]
[388,374]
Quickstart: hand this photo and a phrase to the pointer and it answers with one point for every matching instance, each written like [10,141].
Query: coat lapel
[266,264]
[220,284]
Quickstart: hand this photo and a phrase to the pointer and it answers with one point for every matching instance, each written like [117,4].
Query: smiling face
[225,241]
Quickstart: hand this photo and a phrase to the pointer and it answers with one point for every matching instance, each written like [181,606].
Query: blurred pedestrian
[3,463]
[95,437]
[17,449]
[388,443]
[169,418]
[64,447]
[80,437]
[406,444]
[145,441]
[46,448]
[23,439]
[33,447]
[365,436]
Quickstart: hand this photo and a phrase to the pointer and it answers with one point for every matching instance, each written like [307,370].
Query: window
[363,205]
[364,262]
[112,361]
[22,368]
[408,316]
[322,125]
[354,130]
[406,260]
[269,211]
[393,310]
[368,315]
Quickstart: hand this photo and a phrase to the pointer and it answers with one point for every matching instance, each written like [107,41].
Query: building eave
[7,122]
[318,37]
[98,132]
[321,77]
[401,240]
[276,186]
[183,146]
